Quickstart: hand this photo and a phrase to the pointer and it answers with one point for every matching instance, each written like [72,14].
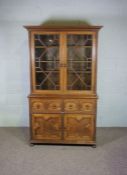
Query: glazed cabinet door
[81,59]
[46,126]
[78,128]
[46,62]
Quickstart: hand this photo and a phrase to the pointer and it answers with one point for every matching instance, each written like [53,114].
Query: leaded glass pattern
[79,53]
[47,62]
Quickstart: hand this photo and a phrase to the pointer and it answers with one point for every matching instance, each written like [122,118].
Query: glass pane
[79,50]
[47,62]
[79,40]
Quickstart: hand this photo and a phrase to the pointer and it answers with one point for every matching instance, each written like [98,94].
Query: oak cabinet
[63,99]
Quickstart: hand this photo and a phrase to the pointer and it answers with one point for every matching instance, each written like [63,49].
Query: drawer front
[80,105]
[45,105]
[46,126]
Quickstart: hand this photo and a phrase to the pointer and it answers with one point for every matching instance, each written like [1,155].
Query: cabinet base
[94,145]
[36,142]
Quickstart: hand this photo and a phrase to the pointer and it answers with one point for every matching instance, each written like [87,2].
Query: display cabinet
[63,99]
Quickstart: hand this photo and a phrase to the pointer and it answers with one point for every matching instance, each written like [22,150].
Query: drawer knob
[37,106]
[87,107]
[70,106]
[54,106]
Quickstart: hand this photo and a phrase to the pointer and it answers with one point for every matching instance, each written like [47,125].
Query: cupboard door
[78,127]
[46,126]
[80,58]
[46,60]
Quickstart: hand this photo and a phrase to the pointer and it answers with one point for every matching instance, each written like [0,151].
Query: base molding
[88,143]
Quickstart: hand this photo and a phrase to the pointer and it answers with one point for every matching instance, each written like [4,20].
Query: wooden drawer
[87,106]
[40,105]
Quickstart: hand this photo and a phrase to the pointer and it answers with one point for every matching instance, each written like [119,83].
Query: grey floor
[18,158]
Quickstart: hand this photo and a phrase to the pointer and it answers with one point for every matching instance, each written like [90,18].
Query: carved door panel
[46,126]
[78,127]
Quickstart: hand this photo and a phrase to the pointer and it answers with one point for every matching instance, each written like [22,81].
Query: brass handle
[54,107]
[71,106]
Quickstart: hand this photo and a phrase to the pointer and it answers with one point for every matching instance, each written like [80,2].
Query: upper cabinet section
[63,60]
